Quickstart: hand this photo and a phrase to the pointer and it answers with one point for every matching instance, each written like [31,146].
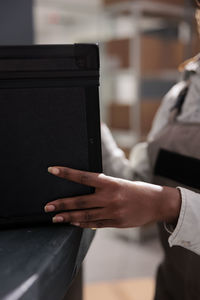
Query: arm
[115,163]
[121,203]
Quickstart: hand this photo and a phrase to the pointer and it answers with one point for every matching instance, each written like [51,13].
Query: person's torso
[174,155]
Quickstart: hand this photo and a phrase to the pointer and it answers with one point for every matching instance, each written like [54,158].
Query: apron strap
[177,107]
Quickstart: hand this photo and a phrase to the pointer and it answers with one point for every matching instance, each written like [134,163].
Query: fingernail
[53,170]
[58,219]
[76,224]
[49,208]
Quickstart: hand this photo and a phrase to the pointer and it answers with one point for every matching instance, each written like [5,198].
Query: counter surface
[40,262]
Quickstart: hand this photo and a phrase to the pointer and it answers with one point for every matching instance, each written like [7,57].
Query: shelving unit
[149,55]
[141,41]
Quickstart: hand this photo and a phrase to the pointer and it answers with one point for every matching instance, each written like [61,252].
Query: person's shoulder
[162,116]
[190,65]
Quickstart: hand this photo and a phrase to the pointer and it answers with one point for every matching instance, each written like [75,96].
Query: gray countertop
[39,263]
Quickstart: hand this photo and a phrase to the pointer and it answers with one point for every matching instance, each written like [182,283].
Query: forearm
[114,161]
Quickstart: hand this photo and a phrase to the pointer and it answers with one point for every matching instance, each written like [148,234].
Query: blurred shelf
[170,8]
[141,44]
[87,7]
[147,56]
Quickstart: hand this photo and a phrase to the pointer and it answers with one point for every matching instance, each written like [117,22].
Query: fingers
[82,177]
[74,203]
[79,216]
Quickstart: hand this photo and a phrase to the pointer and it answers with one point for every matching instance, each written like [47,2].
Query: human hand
[115,203]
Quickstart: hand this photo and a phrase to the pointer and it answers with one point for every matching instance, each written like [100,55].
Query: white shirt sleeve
[115,163]
[187,231]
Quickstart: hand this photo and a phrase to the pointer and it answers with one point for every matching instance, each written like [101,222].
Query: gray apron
[175,161]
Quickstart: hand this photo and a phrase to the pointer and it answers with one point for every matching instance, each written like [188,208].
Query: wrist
[170,205]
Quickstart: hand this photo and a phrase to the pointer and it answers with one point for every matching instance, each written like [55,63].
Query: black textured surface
[39,263]
[49,115]
[177,167]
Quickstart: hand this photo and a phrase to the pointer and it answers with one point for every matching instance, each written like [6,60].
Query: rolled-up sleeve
[187,231]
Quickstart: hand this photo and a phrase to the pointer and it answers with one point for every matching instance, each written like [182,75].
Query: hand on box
[115,203]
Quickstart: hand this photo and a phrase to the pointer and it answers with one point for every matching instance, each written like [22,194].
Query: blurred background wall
[16,22]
